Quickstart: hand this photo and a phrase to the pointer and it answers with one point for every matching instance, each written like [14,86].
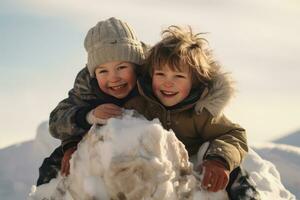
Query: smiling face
[171,87]
[116,78]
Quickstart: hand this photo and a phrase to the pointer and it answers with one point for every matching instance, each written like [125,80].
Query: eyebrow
[100,67]
[120,63]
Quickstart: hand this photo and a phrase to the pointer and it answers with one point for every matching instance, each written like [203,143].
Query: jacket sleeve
[136,103]
[68,120]
[227,141]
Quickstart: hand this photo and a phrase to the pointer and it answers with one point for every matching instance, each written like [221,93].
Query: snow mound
[132,158]
[287,162]
[129,158]
[266,178]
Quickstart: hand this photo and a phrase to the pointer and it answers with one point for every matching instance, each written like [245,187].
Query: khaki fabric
[194,126]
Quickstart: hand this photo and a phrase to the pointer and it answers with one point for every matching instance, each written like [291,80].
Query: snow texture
[132,158]
[129,158]
[286,158]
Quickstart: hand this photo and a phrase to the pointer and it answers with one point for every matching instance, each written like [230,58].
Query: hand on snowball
[103,112]
[106,111]
[215,176]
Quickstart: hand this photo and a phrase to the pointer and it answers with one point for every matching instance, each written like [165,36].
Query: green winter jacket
[198,119]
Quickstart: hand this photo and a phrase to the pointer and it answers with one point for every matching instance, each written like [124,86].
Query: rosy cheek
[186,90]
[101,84]
[154,86]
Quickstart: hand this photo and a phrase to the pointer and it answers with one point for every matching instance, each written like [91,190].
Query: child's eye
[180,76]
[122,67]
[102,71]
[158,74]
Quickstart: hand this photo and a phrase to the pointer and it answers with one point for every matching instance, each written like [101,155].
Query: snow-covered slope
[291,139]
[19,165]
[286,158]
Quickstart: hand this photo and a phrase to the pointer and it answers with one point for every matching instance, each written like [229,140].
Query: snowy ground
[19,167]
[286,158]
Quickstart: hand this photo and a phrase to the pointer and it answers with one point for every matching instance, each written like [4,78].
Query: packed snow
[129,158]
[137,159]
[19,164]
[286,158]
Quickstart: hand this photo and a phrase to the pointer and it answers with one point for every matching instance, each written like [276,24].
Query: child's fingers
[218,185]
[105,115]
[213,182]
[62,169]
[67,168]
[108,114]
[206,179]
[106,111]
[113,111]
[225,182]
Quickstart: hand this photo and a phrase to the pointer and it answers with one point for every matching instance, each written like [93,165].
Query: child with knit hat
[100,89]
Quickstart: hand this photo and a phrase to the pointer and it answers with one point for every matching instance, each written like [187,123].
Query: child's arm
[228,141]
[69,117]
[69,121]
[228,146]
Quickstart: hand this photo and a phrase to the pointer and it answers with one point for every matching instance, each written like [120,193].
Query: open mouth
[118,87]
[168,93]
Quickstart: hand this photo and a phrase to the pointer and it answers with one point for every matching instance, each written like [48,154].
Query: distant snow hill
[19,163]
[291,139]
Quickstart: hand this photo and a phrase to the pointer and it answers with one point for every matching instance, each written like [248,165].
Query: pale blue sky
[41,50]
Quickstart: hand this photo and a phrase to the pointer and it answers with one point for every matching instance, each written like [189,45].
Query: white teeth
[118,87]
[168,93]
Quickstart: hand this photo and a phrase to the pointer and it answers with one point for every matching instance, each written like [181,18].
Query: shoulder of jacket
[83,84]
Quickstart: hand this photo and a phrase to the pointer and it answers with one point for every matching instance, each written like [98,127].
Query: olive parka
[198,119]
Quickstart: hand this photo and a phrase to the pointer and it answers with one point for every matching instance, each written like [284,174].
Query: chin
[121,96]
[169,104]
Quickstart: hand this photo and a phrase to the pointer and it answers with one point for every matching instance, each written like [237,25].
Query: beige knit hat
[112,40]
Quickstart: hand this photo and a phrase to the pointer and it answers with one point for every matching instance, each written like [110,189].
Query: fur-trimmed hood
[217,95]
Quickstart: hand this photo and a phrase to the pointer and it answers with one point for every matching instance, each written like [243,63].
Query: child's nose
[168,83]
[114,77]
